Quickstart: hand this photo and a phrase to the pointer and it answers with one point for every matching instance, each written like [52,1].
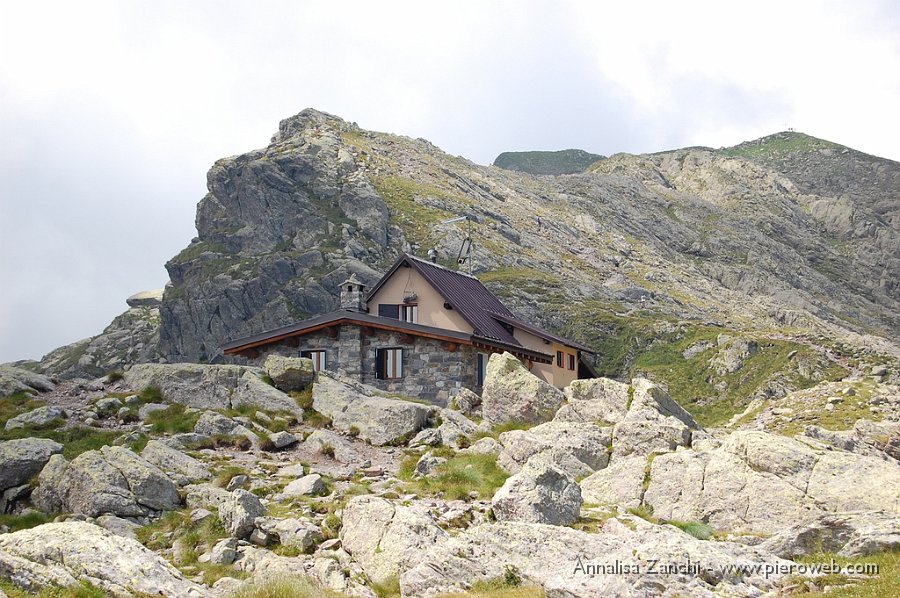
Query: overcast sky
[112,112]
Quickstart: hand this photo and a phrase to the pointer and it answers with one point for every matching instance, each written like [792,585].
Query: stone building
[423,330]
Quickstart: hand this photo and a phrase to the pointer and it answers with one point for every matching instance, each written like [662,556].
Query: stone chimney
[353,295]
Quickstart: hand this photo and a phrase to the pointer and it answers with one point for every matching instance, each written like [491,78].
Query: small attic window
[350,288]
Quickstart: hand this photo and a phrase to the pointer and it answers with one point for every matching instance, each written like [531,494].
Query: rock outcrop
[754,481]
[15,379]
[539,493]
[65,554]
[387,538]
[378,419]
[24,458]
[289,373]
[512,393]
[177,465]
[113,480]
[585,443]
[210,386]
[558,559]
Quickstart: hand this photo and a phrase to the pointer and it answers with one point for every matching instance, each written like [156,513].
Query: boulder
[290,373]
[853,534]
[654,422]
[216,424]
[584,442]
[426,464]
[378,419]
[224,552]
[594,400]
[282,439]
[13,380]
[759,482]
[320,440]
[299,534]
[107,405]
[21,459]
[512,393]
[118,526]
[387,538]
[36,418]
[47,497]
[308,485]
[239,512]
[426,437]
[209,386]
[866,438]
[174,463]
[150,486]
[152,298]
[619,484]
[467,401]
[539,493]
[65,554]
[484,446]
[254,391]
[617,560]
[113,480]
[455,428]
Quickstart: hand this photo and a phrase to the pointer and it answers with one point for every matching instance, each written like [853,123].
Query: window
[409,313]
[559,359]
[318,358]
[571,362]
[482,367]
[387,310]
[388,364]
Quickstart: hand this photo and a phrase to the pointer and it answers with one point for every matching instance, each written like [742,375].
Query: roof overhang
[339,319]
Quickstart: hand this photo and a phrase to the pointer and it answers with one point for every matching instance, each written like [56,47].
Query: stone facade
[432,369]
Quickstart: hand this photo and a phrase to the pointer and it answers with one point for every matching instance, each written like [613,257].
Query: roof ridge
[436,265]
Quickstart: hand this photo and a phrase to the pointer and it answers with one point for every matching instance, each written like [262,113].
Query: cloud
[113,112]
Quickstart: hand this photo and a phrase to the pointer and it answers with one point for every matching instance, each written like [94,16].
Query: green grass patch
[885,583]
[75,439]
[416,219]
[303,398]
[174,419]
[698,529]
[26,521]
[224,477]
[17,404]
[80,590]
[692,382]
[151,394]
[195,250]
[522,592]
[778,145]
[455,479]
[389,588]
[284,587]
[193,540]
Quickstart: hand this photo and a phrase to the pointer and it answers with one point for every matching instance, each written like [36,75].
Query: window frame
[389,363]
[314,355]
[572,361]
[413,311]
[560,359]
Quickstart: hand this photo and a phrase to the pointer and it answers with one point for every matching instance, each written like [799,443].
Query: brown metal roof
[540,332]
[474,302]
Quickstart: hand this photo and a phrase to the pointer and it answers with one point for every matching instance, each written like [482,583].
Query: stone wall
[431,370]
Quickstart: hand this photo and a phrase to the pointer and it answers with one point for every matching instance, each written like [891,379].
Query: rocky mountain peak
[309,118]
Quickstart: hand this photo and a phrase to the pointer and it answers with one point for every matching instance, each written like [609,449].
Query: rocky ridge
[193,499]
